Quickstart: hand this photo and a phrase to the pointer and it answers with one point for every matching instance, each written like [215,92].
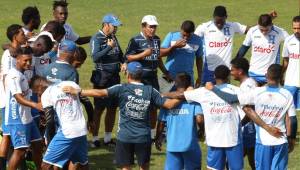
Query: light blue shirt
[181,126]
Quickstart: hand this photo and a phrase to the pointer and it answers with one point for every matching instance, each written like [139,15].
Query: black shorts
[152,81]
[105,80]
[125,153]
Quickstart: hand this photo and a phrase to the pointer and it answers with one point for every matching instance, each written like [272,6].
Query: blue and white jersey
[16,113]
[60,71]
[135,100]
[271,105]
[265,48]
[222,120]
[140,43]
[181,126]
[182,59]
[41,63]
[68,109]
[291,50]
[217,44]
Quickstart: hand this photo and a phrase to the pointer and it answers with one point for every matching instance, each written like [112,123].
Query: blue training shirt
[135,100]
[181,126]
[182,59]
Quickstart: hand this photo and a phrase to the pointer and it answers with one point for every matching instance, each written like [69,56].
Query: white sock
[153,133]
[95,138]
[107,137]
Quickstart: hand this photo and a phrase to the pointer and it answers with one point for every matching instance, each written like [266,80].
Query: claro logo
[268,50]
[215,44]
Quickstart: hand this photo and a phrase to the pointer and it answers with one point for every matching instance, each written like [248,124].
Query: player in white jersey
[265,39]
[60,14]
[239,72]
[23,131]
[291,62]
[70,141]
[217,41]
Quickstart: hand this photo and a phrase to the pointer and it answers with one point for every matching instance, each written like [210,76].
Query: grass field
[85,17]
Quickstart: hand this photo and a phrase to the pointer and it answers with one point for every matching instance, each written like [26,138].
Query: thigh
[192,159]
[124,154]
[142,152]
[20,135]
[35,132]
[80,155]
[263,156]
[174,161]
[280,158]
[234,157]
[215,158]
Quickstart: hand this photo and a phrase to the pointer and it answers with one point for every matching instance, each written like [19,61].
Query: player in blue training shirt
[183,151]
[135,99]
[182,48]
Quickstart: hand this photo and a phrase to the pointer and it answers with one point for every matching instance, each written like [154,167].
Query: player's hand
[209,85]
[273,14]
[111,42]
[71,90]
[123,67]
[274,131]
[91,126]
[158,142]
[180,43]
[148,52]
[39,106]
[198,82]
[291,144]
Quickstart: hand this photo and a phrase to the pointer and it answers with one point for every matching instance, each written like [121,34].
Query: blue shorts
[34,112]
[261,79]
[62,149]
[208,76]
[4,127]
[295,91]
[249,135]
[189,160]
[216,157]
[22,135]
[271,157]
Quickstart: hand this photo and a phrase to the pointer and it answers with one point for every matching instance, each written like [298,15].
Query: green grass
[85,17]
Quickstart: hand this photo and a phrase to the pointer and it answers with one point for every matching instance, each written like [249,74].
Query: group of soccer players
[41,97]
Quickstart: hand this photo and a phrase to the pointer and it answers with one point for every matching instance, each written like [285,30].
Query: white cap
[150,20]
[42,33]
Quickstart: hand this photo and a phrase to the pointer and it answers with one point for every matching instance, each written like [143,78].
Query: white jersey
[246,86]
[222,121]
[217,43]
[16,113]
[265,48]
[70,34]
[68,109]
[291,50]
[271,105]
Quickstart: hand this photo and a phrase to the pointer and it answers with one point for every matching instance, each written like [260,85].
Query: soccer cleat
[95,144]
[111,143]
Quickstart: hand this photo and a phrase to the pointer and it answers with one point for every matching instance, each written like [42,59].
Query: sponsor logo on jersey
[294,56]
[216,44]
[268,50]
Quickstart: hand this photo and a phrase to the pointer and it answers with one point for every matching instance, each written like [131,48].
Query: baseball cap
[67,46]
[134,67]
[150,20]
[42,33]
[111,19]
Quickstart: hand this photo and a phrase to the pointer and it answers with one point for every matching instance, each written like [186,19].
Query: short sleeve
[285,51]
[156,98]
[291,110]
[132,48]
[162,115]
[248,39]
[114,91]
[70,34]
[284,34]
[200,30]
[239,28]
[192,95]
[14,84]
[246,98]
[46,98]
[167,41]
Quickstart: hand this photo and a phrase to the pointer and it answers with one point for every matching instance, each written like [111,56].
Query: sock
[3,163]
[107,137]
[153,132]
[95,138]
